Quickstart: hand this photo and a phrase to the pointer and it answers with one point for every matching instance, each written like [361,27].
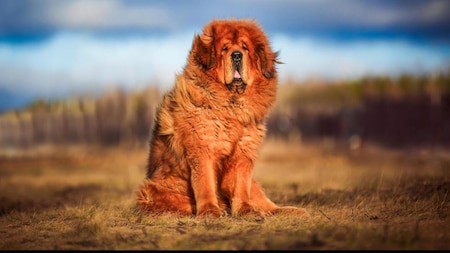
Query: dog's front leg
[236,183]
[204,185]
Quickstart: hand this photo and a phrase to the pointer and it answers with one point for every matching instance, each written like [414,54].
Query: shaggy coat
[209,127]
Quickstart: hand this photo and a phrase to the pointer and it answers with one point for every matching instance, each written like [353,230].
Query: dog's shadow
[49,197]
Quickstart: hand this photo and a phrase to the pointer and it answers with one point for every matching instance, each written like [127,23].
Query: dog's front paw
[209,210]
[248,210]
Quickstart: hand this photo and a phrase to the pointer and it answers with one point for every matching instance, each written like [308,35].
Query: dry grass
[83,198]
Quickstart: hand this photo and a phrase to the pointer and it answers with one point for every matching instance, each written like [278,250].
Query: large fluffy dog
[210,125]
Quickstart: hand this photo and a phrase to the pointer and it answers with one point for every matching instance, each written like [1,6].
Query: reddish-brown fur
[206,137]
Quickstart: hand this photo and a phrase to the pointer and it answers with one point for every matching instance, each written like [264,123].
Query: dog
[210,125]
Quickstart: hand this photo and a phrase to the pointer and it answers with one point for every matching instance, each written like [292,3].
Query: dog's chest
[215,130]
[225,133]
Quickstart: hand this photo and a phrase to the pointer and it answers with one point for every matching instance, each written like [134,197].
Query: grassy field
[84,198]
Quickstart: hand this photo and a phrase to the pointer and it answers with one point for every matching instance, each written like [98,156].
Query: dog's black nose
[236,56]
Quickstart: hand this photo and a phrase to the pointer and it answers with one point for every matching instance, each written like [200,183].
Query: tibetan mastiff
[209,127]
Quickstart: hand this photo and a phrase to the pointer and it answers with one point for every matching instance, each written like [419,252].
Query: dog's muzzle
[237,85]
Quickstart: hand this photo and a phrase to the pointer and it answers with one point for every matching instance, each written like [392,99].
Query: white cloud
[434,11]
[369,14]
[105,14]
[305,58]
[71,63]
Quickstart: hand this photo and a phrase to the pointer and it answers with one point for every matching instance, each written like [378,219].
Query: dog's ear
[267,60]
[203,49]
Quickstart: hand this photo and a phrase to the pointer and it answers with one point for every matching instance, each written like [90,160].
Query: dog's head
[235,52]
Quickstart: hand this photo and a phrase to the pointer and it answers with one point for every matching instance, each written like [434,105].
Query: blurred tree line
[402,111]
[114,118]
[398,112]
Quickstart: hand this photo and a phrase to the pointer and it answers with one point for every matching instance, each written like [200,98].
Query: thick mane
[209,127]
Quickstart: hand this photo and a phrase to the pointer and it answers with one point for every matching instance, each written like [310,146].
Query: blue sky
[54,49]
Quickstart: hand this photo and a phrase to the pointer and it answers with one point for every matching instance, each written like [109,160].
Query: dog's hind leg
[259,200]
[154,198]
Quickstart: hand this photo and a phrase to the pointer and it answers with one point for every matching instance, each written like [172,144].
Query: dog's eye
[224,49]
[244,46]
